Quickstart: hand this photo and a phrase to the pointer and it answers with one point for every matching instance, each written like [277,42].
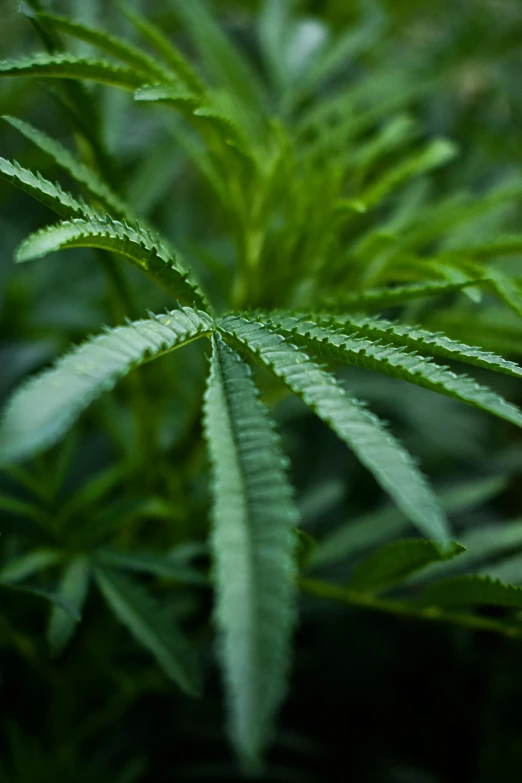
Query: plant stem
[417,611]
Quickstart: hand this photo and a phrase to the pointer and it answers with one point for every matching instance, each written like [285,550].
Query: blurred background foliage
[374,697]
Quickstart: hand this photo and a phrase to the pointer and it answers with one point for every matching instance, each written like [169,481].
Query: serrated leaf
[386,296]
[49,193]
[171,55]
[73,588]
[226,65]
[141,247]
[152,626]
[134,57]
[196,109]
[391,465]
[42,410]
[67,66]
[472,590]
[78,170]
[253,545]
[394,361]
[173,94]
[418,339]
[395,562]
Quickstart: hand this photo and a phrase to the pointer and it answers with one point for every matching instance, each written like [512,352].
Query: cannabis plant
[327,223]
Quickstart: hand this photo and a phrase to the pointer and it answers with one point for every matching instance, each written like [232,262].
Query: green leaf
[67,66]
[138,245]
[21,508]
[143,63]
[364,433]
[376,527]
[253,545]
[48,193]
[172,94]
[152,626]
[20,568]
[395,562]
[42,410]
[436,154]
[390,360]
[53,598]
[379,298]
[418,339]
[171,55]
[471,590]
[151,563]
[74,587]
[503,245]
[85,176]
[506,290]
[227,67]
[197,112]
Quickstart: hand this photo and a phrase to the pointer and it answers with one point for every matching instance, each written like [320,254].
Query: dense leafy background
[380,697]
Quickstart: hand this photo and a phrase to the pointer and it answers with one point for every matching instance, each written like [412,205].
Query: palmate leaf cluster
[330,224]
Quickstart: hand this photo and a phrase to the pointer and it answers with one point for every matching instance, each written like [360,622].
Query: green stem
[367,601]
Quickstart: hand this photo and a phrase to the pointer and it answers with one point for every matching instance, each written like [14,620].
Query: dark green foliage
[318,217]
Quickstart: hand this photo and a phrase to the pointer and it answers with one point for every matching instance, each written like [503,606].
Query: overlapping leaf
[389,462]
[394,361]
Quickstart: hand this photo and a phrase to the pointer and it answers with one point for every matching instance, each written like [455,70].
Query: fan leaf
[418,339]
[78,170]
[42,410]
[394,361]
[364,433]
[253,546]
[49,193]
[139,61]
[138,245]
[152,626]
[67,66]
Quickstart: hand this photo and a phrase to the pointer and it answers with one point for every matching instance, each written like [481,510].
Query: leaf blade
[67,66]
[391,465]
[394,361]
[253,547]
[396,561]
[151,626]
[74,587]
[40,412]
[86,176]
[136,244]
